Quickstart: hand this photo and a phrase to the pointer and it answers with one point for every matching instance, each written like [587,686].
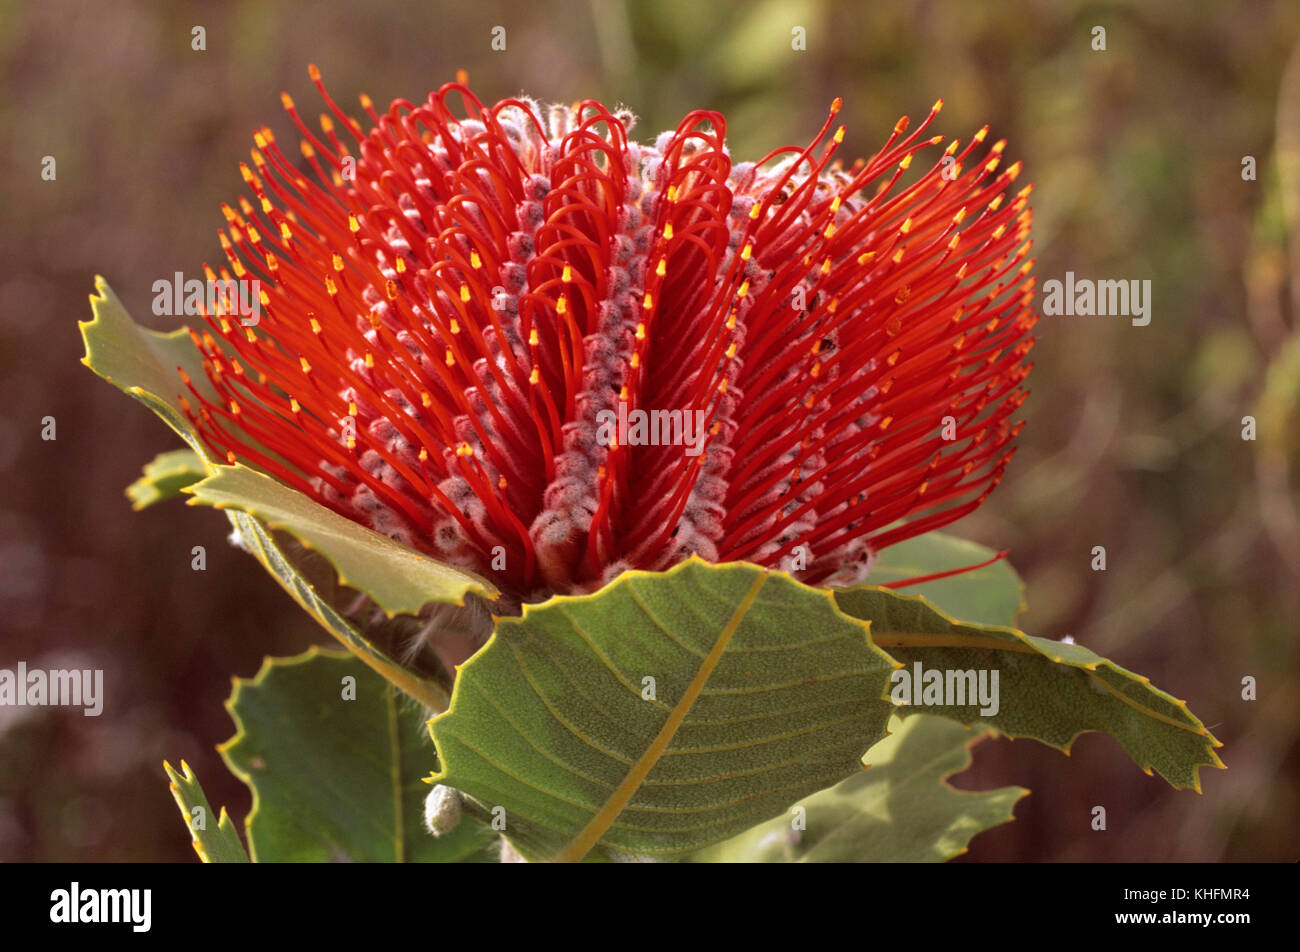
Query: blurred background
[1134,437]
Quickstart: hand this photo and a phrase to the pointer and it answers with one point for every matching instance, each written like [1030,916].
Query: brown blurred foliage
[1134,434]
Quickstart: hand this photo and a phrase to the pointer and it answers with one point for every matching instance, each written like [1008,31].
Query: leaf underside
[763,694]
[1048,690]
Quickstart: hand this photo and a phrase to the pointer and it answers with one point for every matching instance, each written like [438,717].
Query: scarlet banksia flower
[522,343]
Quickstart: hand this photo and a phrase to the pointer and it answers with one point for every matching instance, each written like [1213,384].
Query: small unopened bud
[442,810]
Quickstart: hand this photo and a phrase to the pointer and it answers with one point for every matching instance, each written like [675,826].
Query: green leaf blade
[399,579]
[763,693]
[219,845]
[164,477]
[337,779]
[1049,690]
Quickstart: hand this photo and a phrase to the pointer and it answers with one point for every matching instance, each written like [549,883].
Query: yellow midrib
[581,844]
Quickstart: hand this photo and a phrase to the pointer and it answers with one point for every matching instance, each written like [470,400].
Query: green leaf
[400,580]
[898,811]
[143,363]
[763,693]
[220,845]
[259,540]
[1049,690]
[992,595]
[335,779]
[165,477]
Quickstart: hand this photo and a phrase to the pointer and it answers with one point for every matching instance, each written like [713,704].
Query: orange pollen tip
[454,326]
[315,326]
[326,123]
[285,233]
[566,276]
[901,125]
[354,226]
[836,105]
[952,245]
[464,293]
[898,256]
[424,454]
[754,210]
[668,231]
[263,298]
[952,147]
[562,305]
[839,135]
[313,73]
[287,101]
[906,163]
[938,104]
[636,361]
[731,350]
[330,287]
[337,262]
[534,377]
[450,359]
[622,393]
[234,408]
[501,482]
[533,339]
[306,367]
[866,257]
[747,252]
[826,266]
[649,301]
[816,369]
[722,387]
[475,261]
[884,424]
[907,226]
[400,265]
[294,406]
[661,268]
[230,457]
[640,331]
[979,136]
[672,193]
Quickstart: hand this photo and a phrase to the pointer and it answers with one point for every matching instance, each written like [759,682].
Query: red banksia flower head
[516,340]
